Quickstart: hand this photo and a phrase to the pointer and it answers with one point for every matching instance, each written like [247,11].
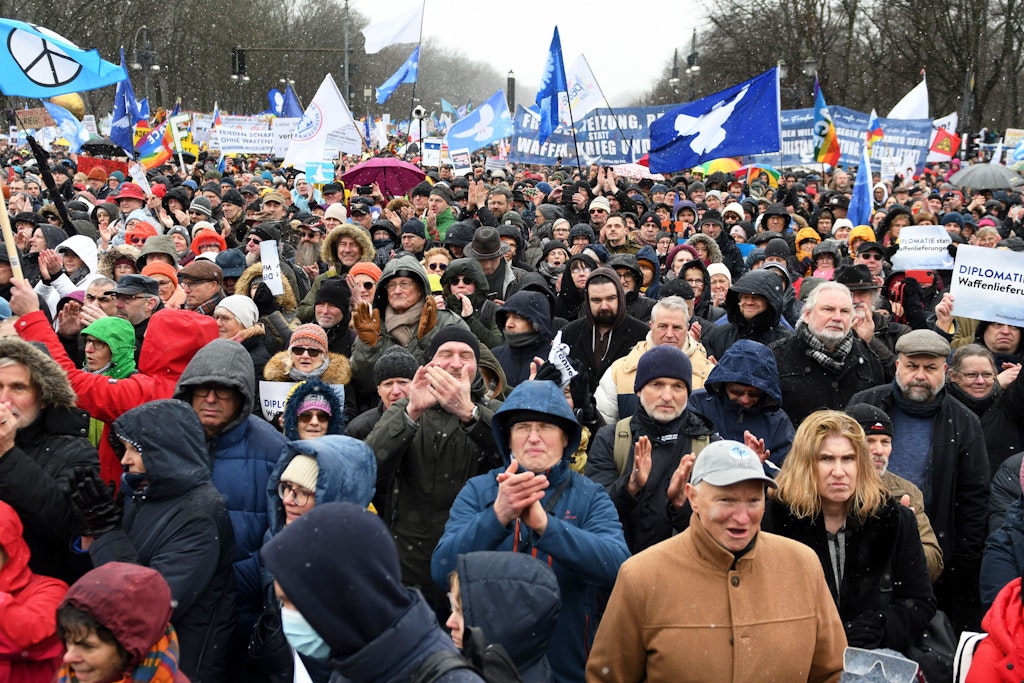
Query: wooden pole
[12,248]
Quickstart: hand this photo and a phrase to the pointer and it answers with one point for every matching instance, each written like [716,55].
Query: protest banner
[462,162]
[273,396]
[988,284]
[236,141]
[34,118]
[431,152]
[923,247]
[86,164]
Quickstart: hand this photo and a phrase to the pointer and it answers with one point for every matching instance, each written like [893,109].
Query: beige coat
[679,612]
[932,551]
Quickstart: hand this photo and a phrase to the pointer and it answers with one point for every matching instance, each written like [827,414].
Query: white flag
[326,116]
[914,104]
[584,94]
[405,28]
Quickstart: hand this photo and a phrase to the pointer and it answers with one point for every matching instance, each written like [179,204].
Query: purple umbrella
[394,176]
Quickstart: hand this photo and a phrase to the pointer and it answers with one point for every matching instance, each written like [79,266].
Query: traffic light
[238,62]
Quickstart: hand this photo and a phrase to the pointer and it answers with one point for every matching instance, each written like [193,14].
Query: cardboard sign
[273,396]
[462,162]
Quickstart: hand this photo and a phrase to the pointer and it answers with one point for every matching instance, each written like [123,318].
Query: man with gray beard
[939,446]
[307,251]
[825,362]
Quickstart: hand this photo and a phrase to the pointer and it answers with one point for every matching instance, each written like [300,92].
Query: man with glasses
[202,281]
[137,299]
[307,251]
[219,383]
[872,255]
[599,213]
[333,194]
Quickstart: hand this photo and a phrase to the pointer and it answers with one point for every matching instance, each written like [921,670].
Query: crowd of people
[553,420]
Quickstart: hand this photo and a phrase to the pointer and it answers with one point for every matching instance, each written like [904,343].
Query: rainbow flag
[155,148]
[874,130]
[826,143]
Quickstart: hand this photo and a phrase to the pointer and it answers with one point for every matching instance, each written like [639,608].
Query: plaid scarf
[210,305]
[160,664]
[815,349]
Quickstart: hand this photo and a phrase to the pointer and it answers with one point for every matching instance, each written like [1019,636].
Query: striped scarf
[160,665]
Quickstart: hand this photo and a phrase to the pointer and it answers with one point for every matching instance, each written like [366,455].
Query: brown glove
[428,318]
[366,322]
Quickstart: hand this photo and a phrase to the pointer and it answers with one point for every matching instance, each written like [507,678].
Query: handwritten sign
[271,261]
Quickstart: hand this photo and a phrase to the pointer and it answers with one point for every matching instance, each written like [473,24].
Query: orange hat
[98,173]
[366,268]
[161,268]
[141,230]
[206,236]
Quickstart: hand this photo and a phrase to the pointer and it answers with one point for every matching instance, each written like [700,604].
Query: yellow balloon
[72,102]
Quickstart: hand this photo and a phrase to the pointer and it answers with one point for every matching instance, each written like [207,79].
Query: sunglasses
[461,280]
[253,239]
[137,240]
[437,266]
[306,351]
[369,285]
[871,256]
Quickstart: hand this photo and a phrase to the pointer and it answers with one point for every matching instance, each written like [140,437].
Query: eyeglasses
[584,269]
[308,235]
[195,213]
[299,496]
[192,284]
[209,246]
[137,240]
[306,351]
[973,376]
[105,298]
[392,285]
[694,281]
[527,428]
[438,266]
[222,392]
[462,280]
[598,211]
[129,297]
[870,256]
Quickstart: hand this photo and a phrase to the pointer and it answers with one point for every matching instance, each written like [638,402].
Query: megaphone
[418,112]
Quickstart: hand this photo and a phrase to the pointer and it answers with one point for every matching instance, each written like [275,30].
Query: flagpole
[412,102]
[608,106]
[575,143]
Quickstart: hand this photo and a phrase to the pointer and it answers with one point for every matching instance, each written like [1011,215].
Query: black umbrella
[987,177]
[103,147]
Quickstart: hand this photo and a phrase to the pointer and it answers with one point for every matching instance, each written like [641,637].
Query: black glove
[94,501]
[866,631]
[264,300]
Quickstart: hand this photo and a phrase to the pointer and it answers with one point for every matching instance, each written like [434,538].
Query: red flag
[945,142]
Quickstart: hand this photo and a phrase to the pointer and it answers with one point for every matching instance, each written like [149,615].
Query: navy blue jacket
[515,360]
[751,363]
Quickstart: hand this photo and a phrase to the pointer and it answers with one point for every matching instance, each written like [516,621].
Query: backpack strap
[623,442]
[438,664]
[699,443]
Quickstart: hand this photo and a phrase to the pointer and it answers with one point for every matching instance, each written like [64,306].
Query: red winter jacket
[30,651]
[1000,656]
[172,338]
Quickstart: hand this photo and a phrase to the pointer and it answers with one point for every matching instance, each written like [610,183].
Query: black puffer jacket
[764,328]
[885,596]
[516,354]
[638,305]
[175,522]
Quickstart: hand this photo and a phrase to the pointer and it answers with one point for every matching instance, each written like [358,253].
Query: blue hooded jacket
[583,542]
[647,253]
[515,360]
[751,363]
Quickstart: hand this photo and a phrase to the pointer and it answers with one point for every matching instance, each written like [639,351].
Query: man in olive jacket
[428,446]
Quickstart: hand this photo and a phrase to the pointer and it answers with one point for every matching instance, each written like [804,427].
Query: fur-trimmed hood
[329,248]
[336,425]
[105,266]
[338,371]
[714,251]
[49,378]
[286,301]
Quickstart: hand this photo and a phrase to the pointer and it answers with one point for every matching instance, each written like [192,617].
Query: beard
[829,337]
[306,254]
[251,257]
[605,318]
[919,392]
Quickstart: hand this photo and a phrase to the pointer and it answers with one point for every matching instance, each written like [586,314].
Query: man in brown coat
[722,601]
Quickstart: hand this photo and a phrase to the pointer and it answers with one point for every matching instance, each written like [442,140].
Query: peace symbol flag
[36,62]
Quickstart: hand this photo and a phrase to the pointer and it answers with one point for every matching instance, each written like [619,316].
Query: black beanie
[233,196]
[776,247]
[349,598]
[335,291]
[396,361]
[454,333]
[873,419]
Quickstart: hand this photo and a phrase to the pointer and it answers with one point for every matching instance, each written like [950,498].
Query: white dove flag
[584,94]
[404,28]
[326,121]
[484,126]
[739,121]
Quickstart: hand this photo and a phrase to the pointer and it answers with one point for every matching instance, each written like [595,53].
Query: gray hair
[812,298]
[104,282]
[670,303]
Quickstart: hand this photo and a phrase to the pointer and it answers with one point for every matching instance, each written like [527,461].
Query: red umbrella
[394,176]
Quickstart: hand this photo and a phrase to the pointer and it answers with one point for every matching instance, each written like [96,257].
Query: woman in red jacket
[30,650]
[1000,656]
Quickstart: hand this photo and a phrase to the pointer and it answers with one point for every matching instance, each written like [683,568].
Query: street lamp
[673,82]
[367,94]
[144,59]
[511,92]
[810,67]
[240,80]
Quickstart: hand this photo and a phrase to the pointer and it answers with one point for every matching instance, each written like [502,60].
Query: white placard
[138,174]
[462,162]
[988,284]
[431,152]
[319,172]
[271,266]
[923,247]
[273,396]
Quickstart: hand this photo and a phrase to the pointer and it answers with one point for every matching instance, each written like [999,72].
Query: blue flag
[290,107]
[487,124]
[448,108]
[741,120]
[126,114]
[861,203]
[40,63]
[406,73]
[71,129]
[552,82]
[276,100]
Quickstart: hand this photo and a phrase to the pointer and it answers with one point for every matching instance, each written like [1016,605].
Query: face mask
[301,636]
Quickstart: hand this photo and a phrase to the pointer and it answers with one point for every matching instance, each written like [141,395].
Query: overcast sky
[626,43]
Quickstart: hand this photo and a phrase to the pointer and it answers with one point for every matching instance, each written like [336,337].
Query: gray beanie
[396,361]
